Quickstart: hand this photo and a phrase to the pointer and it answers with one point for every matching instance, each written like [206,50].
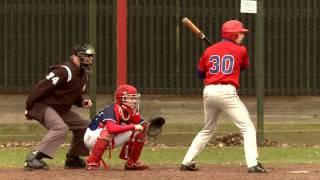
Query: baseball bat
[195,30]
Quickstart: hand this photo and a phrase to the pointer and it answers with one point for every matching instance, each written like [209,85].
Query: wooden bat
[195,30]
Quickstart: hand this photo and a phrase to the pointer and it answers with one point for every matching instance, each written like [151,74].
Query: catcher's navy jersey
[112,113]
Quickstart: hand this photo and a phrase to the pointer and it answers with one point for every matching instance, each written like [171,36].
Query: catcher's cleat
[191,167]
[74,162]
[257,169]
[135,166]
[92,166]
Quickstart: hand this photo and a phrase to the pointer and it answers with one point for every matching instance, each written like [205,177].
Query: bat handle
[207,41]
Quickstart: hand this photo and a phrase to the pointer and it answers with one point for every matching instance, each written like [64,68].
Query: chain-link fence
[162,57]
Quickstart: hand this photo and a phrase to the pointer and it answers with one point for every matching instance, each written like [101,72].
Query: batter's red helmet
[230,29]
[233,26]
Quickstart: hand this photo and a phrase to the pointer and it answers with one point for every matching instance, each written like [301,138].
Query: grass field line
[19,135]
[193,132]
[285,116]
[14,157]
[177,133]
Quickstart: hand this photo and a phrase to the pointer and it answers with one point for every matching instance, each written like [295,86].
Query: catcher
[120,124]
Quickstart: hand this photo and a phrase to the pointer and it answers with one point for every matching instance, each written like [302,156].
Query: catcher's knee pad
[141,137]
[141,134]
[104,134]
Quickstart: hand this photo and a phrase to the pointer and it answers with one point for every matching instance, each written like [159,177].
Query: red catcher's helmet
[230,29]
[128,96]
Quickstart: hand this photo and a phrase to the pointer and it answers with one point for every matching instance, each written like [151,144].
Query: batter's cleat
[33,162]
[191,167]
[74,162]
[257,169]
[138,166]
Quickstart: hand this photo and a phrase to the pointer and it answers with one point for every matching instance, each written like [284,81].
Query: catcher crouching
[119,124]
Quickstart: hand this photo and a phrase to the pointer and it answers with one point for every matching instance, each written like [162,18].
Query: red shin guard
[135,152]
[125,151]
[97,152]
[133,162]
[131,151]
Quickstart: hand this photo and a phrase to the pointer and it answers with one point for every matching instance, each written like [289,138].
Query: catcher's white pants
[90,138]
[224,98]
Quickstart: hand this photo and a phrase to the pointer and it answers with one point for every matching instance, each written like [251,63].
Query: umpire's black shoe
[256,169]
[34,162]
[74,162]
[191,167]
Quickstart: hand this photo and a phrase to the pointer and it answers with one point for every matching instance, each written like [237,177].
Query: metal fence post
[92,40]
[259,68]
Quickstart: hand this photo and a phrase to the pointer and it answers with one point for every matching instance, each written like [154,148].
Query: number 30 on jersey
[224,65]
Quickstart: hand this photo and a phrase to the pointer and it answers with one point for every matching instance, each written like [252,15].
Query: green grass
[14,157]
[35,128]
[176,133]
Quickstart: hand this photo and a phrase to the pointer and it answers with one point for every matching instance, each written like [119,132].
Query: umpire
[50,103]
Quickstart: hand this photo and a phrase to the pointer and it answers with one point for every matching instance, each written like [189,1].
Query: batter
[220,67]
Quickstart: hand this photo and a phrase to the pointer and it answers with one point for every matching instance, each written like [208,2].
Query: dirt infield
[219,172]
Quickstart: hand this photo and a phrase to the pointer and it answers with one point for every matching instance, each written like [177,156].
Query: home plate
[299,172]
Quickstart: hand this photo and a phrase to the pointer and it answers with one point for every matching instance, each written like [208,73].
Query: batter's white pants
[90,138]
[217,99]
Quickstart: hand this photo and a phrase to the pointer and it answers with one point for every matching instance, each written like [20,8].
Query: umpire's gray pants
[58,126]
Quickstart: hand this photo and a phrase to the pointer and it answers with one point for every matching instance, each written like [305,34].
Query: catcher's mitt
[155,126]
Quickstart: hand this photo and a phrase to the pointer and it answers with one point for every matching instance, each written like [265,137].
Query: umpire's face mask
[86,61]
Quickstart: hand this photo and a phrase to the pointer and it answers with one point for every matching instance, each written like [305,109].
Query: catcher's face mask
[128,97]
[132,101]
